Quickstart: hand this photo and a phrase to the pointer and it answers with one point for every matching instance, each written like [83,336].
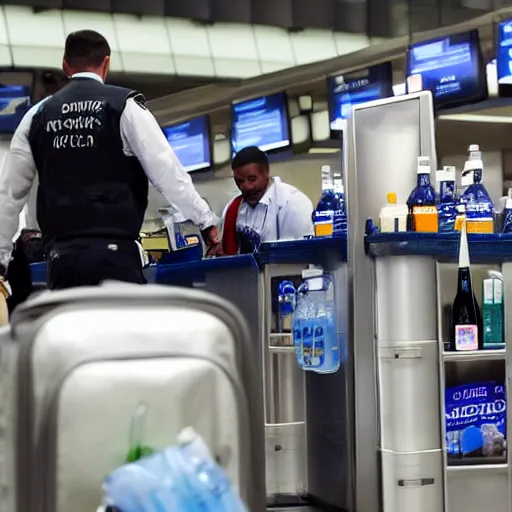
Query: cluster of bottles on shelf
[184,477]
[309,312]
[472,329]
[475,416]
[330,215]
[430,212]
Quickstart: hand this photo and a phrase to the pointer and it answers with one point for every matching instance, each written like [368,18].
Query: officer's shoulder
[129,94]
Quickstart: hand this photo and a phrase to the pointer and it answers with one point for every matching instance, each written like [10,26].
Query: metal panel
[387,134]
[351,16]
[193,9]
[152,7]
[90,5]
[230,11]
[270,12]
[317,14]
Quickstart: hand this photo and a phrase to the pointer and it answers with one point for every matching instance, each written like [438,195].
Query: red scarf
[229,238]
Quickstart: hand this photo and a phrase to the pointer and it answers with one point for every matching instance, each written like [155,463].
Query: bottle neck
[464,284]
[477,176]
[423,180]
[447,191]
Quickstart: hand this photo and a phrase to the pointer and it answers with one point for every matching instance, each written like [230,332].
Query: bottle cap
[423,165]
[392,197]
[447,173]
[326,169]
[473,147]
[187,436]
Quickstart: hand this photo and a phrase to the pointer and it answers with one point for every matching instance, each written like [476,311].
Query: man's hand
[212,240]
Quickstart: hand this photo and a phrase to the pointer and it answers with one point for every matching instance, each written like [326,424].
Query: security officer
[94,147]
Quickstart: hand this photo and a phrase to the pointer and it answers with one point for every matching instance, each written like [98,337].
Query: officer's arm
[16,178]
[147,142]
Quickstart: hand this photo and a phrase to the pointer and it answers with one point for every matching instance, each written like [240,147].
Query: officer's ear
[105,67]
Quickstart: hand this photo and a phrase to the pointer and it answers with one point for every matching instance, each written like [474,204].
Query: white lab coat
[283,213]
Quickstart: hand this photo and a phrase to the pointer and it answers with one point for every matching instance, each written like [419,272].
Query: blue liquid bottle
[447,212]
[477,201]
[340,213]
[422,200]
[323,216]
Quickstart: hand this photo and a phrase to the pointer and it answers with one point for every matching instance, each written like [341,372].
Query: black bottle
[466,325]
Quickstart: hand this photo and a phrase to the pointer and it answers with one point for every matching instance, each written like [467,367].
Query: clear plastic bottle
[207,476]
[323,216]
[507,213]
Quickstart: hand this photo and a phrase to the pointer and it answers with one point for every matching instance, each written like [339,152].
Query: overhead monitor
[15,101]
[504,57]
[191,143]
[345,91]
[451,67]
[261,122]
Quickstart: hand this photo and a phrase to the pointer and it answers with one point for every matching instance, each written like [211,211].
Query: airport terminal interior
[379,341]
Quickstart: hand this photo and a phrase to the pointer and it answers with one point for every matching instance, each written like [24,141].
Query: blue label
[318,354]
[307,345]
[476,420]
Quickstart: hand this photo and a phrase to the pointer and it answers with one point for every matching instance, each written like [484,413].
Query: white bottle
[393,216]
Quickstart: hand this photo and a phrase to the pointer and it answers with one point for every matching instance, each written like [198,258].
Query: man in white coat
[267,209]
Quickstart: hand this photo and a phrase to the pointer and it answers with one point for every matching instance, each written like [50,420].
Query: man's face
[252,180]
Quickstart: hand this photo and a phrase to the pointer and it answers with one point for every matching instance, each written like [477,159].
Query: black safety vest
[88,187]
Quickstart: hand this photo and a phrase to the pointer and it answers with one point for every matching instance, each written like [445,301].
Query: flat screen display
[15,101]
[261,122]
[504,55]
[191,143]
[450,67]
[345,91]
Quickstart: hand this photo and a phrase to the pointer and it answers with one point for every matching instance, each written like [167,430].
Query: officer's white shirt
[283,213]
[142,138]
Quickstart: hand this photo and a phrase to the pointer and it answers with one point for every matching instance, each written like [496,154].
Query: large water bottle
[297,321]
[325,345]
[211,483]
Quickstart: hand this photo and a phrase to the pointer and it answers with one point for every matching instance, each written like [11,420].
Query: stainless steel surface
[386,137]
[483,355]
[284,382]
[329,416]
[409,489]
[406,298]
[286,461]
[475,489]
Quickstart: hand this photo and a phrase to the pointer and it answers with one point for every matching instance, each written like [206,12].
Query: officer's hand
[212,240]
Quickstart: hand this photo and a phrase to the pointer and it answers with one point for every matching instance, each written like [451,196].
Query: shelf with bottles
[429,223]
[474,381]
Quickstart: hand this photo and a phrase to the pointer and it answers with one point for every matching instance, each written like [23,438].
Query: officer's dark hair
[250,155]
[85,49]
